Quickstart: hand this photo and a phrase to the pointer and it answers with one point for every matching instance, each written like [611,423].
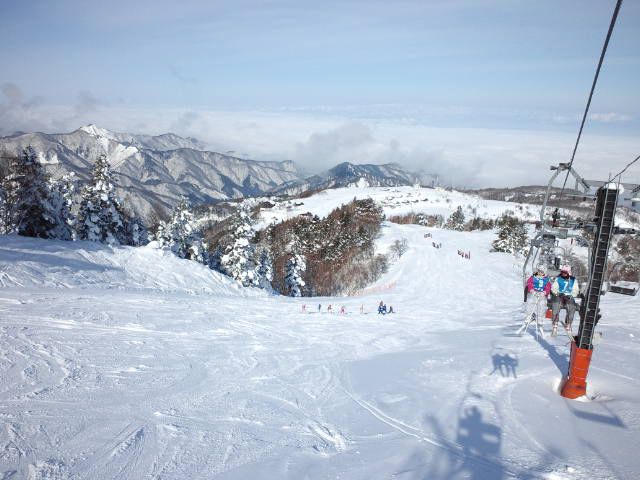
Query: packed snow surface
[130,363]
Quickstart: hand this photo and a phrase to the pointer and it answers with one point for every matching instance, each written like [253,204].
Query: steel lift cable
[614,17]
[619,174]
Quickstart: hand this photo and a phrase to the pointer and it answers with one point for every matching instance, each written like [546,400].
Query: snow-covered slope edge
[30,262]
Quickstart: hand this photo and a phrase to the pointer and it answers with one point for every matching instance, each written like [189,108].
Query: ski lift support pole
[582,346]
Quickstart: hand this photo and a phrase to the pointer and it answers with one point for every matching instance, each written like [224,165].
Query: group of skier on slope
[561,292]
[382,309]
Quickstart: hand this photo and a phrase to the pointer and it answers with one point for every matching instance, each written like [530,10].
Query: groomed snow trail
[157,368]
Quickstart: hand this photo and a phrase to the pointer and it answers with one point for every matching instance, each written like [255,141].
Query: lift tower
[582,346]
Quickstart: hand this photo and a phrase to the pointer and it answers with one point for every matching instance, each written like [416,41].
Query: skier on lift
[539,288]
[564,292]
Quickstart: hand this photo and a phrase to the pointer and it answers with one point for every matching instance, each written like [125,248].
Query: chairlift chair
[554,226]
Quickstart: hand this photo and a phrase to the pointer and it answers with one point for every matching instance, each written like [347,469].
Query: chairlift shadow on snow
[609,419]
[561,360]
[475,452]
[504,364]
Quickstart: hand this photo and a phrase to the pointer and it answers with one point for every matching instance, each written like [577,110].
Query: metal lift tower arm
[581,183]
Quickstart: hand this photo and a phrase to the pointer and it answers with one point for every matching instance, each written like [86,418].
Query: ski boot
[554,330]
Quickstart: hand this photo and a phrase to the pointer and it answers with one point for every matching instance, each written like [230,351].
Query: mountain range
[153,172]
[348,174]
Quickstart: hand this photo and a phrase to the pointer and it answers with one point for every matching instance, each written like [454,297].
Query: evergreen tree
[181,235]
[100,217]
[237,261]
[62,198]
[29,197]
[6,220]
[456,220]
[265,269]
[512,237]
[215,259]
[136,232]
[296,266]
[162,234]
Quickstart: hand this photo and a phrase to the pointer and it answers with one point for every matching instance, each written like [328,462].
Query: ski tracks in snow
[452,448]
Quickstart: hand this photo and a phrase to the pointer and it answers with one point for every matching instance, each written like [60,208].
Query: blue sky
[454,65]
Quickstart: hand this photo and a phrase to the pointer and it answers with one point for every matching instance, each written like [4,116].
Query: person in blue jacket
[564,291]
[382,308]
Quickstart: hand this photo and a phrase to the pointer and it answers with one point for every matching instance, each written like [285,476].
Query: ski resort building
[629,197]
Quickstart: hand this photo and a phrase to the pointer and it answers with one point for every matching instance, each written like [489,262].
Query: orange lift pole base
[576,384]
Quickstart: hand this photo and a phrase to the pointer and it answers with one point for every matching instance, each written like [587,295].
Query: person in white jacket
[564,291]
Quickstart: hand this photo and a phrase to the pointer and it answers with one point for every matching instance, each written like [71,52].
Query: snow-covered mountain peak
[96,131]
[153,172]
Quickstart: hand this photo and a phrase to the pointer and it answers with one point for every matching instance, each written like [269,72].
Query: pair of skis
[538,325]
[567,328]
[554,330]
[529,320]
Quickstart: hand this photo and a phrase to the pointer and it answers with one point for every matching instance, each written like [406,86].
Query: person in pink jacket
[539,289]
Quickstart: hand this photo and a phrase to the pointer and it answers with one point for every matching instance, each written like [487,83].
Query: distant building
[630,197]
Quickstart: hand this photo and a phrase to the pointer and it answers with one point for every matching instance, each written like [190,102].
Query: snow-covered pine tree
[137,234]
[6,221]
[265,269]
[456,220]
[161,234]
[29,197]
[181,234]
[100,216]
[512,237]
[62,198]
[295,267]
[238,259]
[214,259]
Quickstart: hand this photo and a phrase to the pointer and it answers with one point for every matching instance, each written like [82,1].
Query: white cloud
[610,117]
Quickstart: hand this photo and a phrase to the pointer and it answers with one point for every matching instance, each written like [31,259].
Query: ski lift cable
[614,17]
[625,168]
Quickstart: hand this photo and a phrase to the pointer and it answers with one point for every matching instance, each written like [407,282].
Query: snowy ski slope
[400,201]
[128,363]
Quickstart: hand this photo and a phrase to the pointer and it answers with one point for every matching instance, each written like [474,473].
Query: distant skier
[329,309]
[390,309]
[539,288]
[382,308]
[304,308]
[361,309]
[319,307]
[343,311]
[564,291]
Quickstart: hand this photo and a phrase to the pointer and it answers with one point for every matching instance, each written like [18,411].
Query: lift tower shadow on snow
[582,345]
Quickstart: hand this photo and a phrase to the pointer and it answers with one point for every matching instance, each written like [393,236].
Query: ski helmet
[565,268]
[541,269]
